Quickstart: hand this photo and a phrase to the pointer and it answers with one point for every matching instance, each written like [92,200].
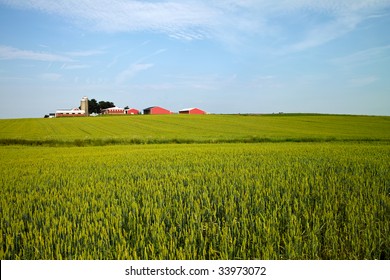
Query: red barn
[131,111]
[113,111]
[155,110]
[192,111]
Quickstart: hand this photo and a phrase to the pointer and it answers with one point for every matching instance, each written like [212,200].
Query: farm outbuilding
[84,105]
[131,111]
[75,112]
[156,110]
[113,111]
[192,111]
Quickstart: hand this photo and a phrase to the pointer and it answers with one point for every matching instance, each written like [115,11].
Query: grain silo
[84,105]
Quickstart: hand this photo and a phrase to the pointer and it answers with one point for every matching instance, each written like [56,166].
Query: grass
[237,187]
[193,129]
[226,201]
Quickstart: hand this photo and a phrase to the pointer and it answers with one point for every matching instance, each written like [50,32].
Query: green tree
[96,107]
[106,104]
[93,106]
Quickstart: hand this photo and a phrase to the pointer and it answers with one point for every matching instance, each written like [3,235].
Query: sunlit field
[193,129]
[292,195]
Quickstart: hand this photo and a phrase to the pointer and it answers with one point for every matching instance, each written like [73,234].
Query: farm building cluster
[82,111]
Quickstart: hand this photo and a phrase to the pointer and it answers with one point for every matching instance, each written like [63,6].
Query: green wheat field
[237,187]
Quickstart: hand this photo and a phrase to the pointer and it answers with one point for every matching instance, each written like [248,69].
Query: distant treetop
[96,107]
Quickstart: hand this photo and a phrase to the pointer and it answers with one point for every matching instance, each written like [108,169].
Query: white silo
[84,105]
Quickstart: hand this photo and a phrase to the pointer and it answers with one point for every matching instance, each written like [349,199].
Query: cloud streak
[228,21]
[170,17]
[74,66]
[130,72]
[85,53]
[367,56]
[10,53]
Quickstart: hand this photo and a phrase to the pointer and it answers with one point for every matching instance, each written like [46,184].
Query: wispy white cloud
[367,56]
[229,21]
[325,21]
[160,51]
[67,66]
[133,70]
[120,56]
[85,53]
[10,53]
[169,17]
[138,66]
[320,34]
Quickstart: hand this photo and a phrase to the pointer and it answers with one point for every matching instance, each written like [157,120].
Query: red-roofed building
[131,111]
[75,112]
[113,111]
[156,110]
[192,111]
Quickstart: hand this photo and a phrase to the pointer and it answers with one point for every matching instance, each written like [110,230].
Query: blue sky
[228,56]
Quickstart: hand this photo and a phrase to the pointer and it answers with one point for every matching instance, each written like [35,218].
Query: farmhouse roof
[69,110]
[114,108]
[188,109]
[152,107]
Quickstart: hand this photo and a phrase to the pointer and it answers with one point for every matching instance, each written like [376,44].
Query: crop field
[292,195]
[159,129]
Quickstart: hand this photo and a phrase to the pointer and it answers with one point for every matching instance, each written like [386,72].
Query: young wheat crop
[225,201]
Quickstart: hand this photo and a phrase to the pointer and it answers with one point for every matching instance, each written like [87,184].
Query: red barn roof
[193,111]
[156,110]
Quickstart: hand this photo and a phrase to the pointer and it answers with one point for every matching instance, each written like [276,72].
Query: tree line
[96,107]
